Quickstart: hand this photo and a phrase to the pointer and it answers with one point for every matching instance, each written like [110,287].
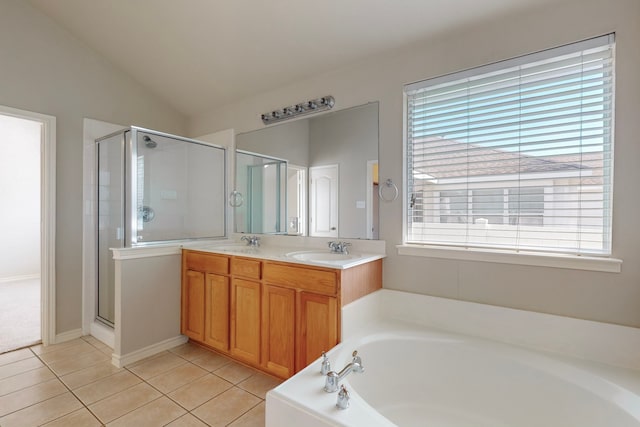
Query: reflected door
[323,201]
[264,197]
[263,183]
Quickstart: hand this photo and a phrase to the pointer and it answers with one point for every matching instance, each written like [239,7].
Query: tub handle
[343,398]
[357,362]
[326,365]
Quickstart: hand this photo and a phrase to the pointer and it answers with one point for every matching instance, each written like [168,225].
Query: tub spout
[333,379]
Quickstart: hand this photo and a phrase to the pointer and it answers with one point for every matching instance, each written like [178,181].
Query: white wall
[19,197]
[44,69]
[609,297]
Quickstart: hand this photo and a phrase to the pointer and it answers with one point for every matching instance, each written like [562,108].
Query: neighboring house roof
[439,158]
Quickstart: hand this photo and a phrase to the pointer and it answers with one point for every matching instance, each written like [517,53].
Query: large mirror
[261,183]
[313,177]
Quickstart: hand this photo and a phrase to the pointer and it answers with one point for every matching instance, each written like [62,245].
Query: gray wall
[609,297]
[148,297]
[286,141]
[349,140]
[44,69]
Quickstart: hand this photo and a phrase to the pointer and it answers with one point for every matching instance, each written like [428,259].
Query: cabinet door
[216,316]
[317,328]
[245,320]
[278,330]
[192,324]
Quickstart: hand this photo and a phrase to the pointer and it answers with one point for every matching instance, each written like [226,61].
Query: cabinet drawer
[209,263]
[322,281]
[246,267]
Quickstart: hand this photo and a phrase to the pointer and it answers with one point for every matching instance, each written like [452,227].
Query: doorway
[27,180]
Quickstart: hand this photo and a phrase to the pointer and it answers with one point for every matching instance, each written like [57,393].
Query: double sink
[313,256]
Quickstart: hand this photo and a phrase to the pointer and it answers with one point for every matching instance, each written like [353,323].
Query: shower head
[148,142]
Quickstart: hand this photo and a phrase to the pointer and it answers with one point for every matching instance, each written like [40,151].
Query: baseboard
[67,336]
[129,358]
[19,278]
[102,333]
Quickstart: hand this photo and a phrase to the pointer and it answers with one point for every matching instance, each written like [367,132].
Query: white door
[323,215]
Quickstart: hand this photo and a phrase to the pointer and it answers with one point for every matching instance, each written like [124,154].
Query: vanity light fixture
[312,106]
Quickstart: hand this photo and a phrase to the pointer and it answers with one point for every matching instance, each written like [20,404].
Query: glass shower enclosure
[261,186]
[154,188]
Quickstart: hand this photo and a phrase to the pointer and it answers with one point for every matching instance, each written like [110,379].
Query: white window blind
[515,155]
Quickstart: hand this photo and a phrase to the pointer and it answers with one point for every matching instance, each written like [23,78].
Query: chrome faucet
[339,247]
[325,367]
[343,398]
[251,240]
[333,378]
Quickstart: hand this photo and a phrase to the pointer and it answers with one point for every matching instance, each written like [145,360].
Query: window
[515,155]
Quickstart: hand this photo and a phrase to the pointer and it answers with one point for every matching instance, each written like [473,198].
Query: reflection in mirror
[262,183]
[332,173]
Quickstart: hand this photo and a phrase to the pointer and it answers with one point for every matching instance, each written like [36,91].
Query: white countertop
[291,254]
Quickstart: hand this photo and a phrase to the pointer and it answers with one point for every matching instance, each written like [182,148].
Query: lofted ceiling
[198,55]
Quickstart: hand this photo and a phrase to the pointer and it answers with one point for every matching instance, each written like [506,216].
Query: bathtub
[436,362]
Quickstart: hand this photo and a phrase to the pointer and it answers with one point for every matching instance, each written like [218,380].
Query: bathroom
[74,83]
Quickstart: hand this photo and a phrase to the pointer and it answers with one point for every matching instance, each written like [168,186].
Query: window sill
[575,262]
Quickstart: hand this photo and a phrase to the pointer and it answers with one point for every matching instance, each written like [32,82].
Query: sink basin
[322,256]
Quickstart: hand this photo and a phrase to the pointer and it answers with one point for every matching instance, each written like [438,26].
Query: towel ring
[388,184]
[236,199]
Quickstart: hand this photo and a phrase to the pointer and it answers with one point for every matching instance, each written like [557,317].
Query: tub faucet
[343,398]
[251,240]
[333,378]
[325,367]
[339,247]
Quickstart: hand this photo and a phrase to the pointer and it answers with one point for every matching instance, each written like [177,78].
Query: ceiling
[198,55]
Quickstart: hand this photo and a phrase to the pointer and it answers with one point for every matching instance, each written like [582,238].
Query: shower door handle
[236,199]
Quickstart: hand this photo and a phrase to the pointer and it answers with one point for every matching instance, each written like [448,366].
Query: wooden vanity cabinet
[278,330]
[205,300]
[245,309]
[245,320]
[216,311]
[193,304]
[316,307]
[275,316]
[317,326]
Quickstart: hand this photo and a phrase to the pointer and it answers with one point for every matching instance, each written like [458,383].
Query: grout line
[245,413]
[35,403]
[70,391]
[162,394]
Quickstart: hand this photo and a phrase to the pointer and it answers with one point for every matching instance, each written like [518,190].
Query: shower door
[264,197]
[153,188]
[178,189]
[110,219]
[262,181]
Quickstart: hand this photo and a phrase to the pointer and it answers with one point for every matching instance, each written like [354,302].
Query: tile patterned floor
[75,384]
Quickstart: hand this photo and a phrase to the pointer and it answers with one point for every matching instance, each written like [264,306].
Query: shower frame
[128,216]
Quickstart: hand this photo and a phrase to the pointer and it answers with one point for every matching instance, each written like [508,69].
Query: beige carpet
[19,314]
